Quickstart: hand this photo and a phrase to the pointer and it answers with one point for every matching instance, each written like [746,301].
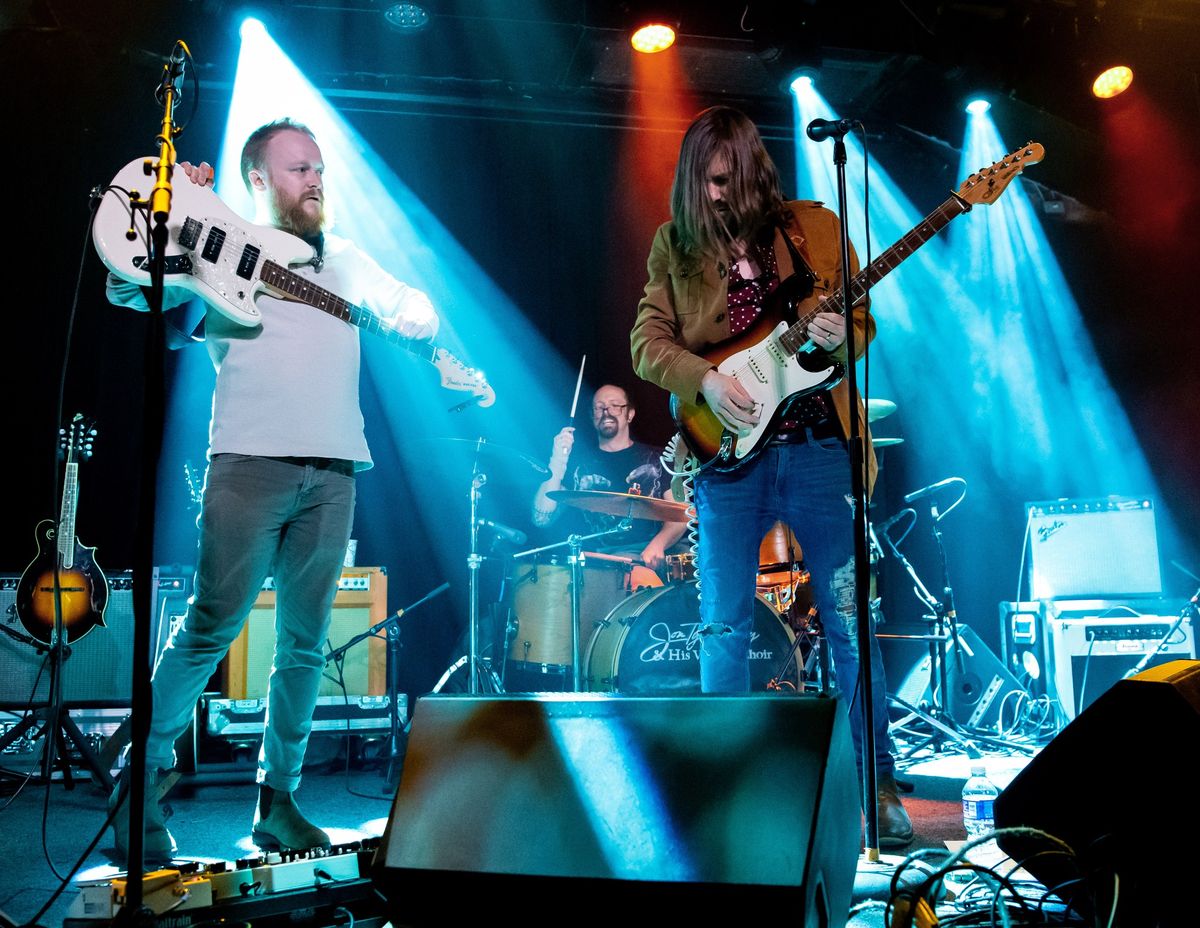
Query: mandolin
[82,583]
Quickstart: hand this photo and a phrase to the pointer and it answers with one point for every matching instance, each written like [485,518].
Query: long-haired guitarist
[286,440]
[734,257]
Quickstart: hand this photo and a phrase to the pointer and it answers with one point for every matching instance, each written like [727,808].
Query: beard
[727,220]
[292,215]
[607,427]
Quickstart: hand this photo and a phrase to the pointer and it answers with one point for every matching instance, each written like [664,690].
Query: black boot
[279,824]
[895,827]
[158,847]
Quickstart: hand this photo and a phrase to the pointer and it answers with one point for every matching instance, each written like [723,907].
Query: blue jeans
[806,485]
[259,514]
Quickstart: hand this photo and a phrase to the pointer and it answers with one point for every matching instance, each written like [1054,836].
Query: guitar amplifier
[361,602]
[99,669]
[1090,645]
[1091,548]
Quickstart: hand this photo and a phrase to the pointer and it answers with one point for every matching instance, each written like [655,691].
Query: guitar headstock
[987,184]
[457,376]
[77,438]
[195,483]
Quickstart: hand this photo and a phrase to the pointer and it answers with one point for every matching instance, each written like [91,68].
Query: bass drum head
[648,646]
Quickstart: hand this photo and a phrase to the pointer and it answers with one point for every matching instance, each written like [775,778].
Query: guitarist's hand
[201,174]
[730,402]
[827,330]
[418,329]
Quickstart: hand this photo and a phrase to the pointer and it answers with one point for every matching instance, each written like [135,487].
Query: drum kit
[577,619]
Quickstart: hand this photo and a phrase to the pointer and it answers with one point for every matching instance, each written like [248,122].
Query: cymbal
[886,442]
[878,408]
[623,504]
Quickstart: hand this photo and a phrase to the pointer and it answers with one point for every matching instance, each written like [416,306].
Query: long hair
[754,193]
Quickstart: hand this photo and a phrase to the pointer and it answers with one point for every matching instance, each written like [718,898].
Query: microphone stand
[158,208]
[392,625]
[858,491]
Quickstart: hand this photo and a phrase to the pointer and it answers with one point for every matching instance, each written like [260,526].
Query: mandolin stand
[52,722]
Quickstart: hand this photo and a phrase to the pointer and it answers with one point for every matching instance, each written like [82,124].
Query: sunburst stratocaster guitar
[775,360]
[227,262]
[82,586]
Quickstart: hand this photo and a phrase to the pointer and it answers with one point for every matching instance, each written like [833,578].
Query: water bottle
[977,796]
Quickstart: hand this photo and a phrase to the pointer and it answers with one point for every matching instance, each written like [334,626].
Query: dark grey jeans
[261,515]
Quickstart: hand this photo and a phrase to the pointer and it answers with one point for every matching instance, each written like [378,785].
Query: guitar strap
[801,271]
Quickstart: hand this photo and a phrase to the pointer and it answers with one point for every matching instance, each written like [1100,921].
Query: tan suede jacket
[685,308]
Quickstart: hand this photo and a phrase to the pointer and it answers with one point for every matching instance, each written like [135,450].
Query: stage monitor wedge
[602,809]
[1114,785]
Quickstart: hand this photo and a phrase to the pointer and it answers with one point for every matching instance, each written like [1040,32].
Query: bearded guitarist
[715,270]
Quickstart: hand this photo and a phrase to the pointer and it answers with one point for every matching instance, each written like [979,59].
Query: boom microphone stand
[819,130]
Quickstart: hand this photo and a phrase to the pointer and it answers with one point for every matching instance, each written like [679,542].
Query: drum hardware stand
[575,562]
[397,734]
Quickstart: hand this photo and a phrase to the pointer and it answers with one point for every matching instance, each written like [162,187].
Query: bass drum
[648,646]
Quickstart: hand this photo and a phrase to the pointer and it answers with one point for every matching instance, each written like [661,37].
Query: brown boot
[895,827]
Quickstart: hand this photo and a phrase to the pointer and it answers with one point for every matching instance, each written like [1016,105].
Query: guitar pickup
[175,264]
[249,262]
[213,245]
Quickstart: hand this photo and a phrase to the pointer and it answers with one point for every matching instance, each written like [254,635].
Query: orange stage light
[652,37]
[1112,82]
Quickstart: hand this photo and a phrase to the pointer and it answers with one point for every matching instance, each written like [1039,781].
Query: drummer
[613,463]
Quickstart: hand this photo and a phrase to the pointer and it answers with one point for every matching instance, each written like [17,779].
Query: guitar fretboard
[280,278]
[796,336]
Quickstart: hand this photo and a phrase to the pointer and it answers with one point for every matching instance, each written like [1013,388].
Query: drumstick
[578,383]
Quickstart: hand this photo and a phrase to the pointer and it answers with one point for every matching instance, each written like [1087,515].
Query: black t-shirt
[635,469]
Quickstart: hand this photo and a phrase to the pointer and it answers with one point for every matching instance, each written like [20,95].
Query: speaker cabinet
[606,809]
[1093,547]
[978,684]
[99,669]
[1114,786]
[361,602]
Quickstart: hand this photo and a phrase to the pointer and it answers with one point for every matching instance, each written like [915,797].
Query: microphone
[512,535]
[932,488]
[821,129]
[173,72]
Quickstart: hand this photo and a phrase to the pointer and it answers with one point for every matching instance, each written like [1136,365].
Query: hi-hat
[878,408]
[625,505]
[886,442]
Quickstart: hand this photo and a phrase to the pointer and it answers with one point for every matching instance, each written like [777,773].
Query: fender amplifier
[1090,548]
[1092,645]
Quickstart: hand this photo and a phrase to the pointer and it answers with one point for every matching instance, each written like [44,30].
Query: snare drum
[648,646]
[542,604]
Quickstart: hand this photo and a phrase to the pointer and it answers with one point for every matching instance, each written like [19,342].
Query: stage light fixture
[1112,82]
[653,37]
[801,79]
[406,17]
[978,106]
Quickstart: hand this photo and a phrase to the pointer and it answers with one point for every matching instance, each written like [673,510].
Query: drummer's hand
[654,556]
[730,402]
[561,451]
[201,173]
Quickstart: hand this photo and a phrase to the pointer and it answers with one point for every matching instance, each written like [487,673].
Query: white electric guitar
[227,262]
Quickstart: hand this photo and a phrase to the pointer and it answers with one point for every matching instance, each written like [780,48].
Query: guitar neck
[796,336]
[279,278]
[66,523]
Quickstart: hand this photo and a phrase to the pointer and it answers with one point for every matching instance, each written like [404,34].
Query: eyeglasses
[618,408]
